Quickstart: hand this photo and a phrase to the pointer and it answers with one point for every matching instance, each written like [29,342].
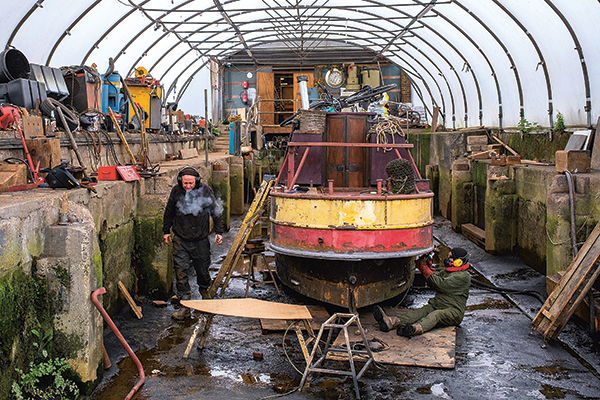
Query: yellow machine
[146,92]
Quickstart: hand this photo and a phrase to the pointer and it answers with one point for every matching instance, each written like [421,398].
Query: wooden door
[355,161]
[265,89]
[336,156]
[346,165]
[309,84]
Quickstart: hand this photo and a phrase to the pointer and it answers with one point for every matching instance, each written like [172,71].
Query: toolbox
[109,173]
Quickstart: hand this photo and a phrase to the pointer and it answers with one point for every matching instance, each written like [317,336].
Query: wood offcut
[137,310]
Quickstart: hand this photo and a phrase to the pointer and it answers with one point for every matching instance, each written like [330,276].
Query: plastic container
[24,93]
[56,87]
[13,65]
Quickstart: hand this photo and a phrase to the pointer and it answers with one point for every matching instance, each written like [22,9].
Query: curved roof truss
[484,63]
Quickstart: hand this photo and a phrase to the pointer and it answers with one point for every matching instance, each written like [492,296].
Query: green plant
[526,127]
[41,343]
[559,125]
[45,381]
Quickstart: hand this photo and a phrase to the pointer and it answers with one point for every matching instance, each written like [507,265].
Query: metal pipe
[572,207]
[330,186]
[379,186]
[113,327]
[302,82]
[206,127]
[591,302]
[295,178]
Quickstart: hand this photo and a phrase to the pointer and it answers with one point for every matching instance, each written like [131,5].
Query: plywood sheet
[249,308]
[319,315]
[434,349]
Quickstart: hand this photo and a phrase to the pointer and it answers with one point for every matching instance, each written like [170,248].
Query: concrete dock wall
[112,235]
[523,208]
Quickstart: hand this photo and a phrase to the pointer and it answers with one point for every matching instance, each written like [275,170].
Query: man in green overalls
[447,308]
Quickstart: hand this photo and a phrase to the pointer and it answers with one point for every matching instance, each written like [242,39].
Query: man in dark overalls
[447,308]
[188,211]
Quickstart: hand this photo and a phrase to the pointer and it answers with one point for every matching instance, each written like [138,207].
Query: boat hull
[349,249]
[349,284]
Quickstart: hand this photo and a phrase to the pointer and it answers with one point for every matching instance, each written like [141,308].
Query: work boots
[386,323]
[183,313]
[204,293]
[409,330]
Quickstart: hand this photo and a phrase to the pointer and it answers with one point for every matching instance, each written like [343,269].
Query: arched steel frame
[326,21]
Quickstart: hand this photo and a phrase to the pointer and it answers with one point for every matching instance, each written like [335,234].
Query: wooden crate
[11,175]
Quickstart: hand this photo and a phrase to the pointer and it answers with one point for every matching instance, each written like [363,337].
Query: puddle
[553,371]
[552,392]
[490,304]
[520,274]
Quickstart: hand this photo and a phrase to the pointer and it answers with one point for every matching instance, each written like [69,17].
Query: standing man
[201,125]
[448,306]
[187,214]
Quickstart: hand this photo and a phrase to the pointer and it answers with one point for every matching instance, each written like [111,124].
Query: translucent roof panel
[483,62]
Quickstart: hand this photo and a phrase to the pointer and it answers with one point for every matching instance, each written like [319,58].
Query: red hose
[112,325]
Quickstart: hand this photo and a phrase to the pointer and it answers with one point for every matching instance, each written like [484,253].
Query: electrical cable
[502,290]
[111,150]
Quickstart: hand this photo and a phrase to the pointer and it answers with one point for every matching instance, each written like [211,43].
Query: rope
[390,126]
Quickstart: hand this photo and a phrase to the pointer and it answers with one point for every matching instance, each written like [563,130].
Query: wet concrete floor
[496,356]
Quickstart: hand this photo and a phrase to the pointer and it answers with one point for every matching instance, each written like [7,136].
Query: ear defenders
[189,171]
[460,260]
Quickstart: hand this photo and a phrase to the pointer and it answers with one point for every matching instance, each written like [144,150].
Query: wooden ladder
[224,275]
[571,290]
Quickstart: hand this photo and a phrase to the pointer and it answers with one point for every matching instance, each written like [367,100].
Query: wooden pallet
[571,290]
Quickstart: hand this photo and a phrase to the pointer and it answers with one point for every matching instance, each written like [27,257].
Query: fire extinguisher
[244,97]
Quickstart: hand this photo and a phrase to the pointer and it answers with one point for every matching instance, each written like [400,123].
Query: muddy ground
[496,356]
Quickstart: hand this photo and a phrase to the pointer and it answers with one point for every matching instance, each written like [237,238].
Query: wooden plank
[319,315]
[434,349]
[474,234]
[582,311]
[571,290]
[136,309]
[572,269]
[249,308]
[480,156]
[121,136]
[505,145]
[584,283]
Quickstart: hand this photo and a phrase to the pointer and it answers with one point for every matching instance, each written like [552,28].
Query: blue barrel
[111,92]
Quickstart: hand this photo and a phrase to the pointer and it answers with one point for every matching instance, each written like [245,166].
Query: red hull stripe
[341,241]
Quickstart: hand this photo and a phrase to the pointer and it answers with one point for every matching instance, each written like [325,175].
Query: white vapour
[195,203]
